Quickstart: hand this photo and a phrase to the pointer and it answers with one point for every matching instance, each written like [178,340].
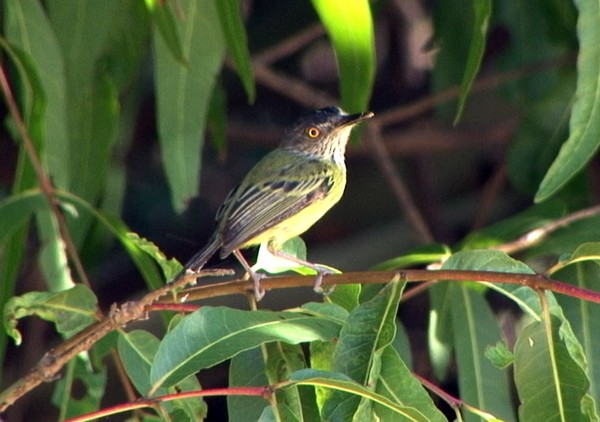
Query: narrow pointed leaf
[481,25]
[350,26]
[230,15]
[184,93]
[546,373]
[584,126]
[368,330]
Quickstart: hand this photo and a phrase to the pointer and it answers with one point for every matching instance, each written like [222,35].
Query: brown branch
[534,281]
[53,361]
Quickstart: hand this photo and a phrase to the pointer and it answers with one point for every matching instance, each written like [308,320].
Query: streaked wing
[256,207]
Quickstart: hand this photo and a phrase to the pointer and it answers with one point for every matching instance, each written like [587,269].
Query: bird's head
[323,132]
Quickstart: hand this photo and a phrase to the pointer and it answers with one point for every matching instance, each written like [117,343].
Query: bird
[285,193]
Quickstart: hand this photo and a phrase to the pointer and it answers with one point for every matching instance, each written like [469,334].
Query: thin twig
[537,235]
[490,193]
[43,179]
[535,281]
[293,88]
[407,112]
[290,45]
[401,192]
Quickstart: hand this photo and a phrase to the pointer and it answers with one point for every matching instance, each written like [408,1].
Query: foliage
[74,76]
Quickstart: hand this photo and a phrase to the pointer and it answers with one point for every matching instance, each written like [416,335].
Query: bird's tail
[197,261]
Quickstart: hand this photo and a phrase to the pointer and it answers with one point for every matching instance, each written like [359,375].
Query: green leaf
[399,385]
[85,399]
[184,93]
[499,355]
[440,329]
[346,295]
[230,15]
[137,350]
[546,373]
[350,26]
[53,255]
[170,267]
[342,383]
[247,369]
[17,209]
[584,136]
[589,251]
[418,256]
[481,25]
[167,27]
[583,316]
[84,35]
[515,226]
[368,330]
[115,226]
[71,310]
[566,240]
[541,131]
[441,321]
[294,402]
[481,384]
[486,260]
[28,28]
[212,335]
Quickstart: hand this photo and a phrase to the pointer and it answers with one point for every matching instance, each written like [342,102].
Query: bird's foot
[317,286]
[259,292]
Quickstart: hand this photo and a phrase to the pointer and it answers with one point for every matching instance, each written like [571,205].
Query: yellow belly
[299,222]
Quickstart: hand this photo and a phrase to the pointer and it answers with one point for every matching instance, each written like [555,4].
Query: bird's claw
[317,286]
[259,292]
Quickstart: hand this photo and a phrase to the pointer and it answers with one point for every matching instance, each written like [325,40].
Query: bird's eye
[313,132]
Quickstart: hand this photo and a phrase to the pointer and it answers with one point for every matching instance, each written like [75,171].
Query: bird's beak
[352,119]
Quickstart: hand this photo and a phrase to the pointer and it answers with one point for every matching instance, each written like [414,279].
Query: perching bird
[286,192]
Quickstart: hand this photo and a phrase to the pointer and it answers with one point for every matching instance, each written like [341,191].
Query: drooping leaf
[230,15]
[170,267]
[166,24]
[28,28]
[584,127]
[71,310]
[247,369]
[481,383]
[350,26]
[184,92]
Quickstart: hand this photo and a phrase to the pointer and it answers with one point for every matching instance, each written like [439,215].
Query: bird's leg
[321,271]
[259,292]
